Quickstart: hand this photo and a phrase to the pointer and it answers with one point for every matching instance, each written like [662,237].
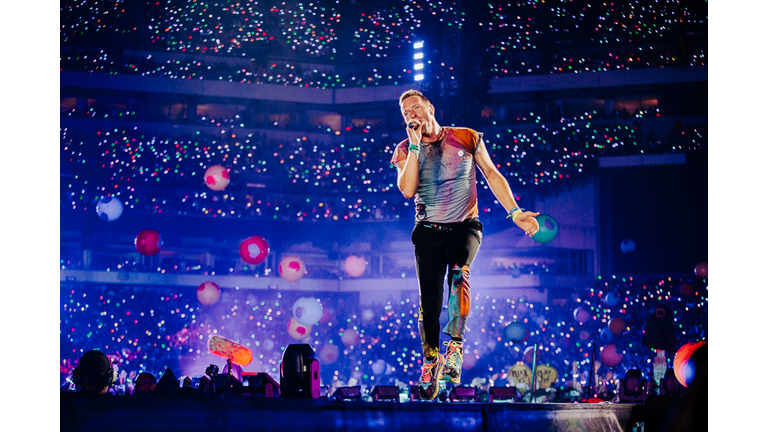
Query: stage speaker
[227,384]
[260,384]
[348,393]
[463,393]
[299,372]
[380,393]
[633,387]
[503,393]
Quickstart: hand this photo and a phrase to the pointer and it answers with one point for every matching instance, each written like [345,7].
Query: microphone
[412,125]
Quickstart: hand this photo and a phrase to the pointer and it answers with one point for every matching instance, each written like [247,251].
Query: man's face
[420,112]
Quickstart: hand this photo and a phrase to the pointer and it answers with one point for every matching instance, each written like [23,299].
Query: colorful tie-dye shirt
[447,190]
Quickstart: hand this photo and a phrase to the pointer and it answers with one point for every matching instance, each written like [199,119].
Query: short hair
[151,377]
[412,92]
[93,363]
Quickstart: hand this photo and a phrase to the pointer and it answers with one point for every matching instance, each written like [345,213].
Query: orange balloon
[681,360]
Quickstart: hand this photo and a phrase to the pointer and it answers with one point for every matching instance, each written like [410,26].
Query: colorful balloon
[702,270]
[328,354]
[606,335]
[617,325]
[292,268]
[547,229]
[208,293]
[148,242]
[307,311]
[216,177]
[686,288]
[610,356]
[354,265]
[298,330]
[581,315]
[254,250]
[109,208]
[612,298]
[680,363]
[350,337]
[515,332]
[628,246]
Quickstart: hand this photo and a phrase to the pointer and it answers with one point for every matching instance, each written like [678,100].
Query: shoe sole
[448,377]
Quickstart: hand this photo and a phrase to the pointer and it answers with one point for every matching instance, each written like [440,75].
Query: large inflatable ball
[581,315]
[514,332]
[148,242]
[350,337]
[354,265]
[686,288]
[298,330]
[109,208]
[254,250]
[606,335]
[702,270]
[328,354]
[617,325]
[612,298]
[683,372]
[610,356]
[291,268]
[547,229]
[208,293]
[307,311]
[628,246]
[216,177]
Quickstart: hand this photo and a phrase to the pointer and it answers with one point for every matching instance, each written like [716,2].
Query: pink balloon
[686,288]
[350,337]
[254,250]
[298,330]
[617,325]
[702,270]
[208,293]
[354,265]
[610,356]
[148,242]
[216,177]
[329,354]
[291,268]
[581,315]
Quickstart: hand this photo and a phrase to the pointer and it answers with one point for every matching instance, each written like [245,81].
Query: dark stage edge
[289,415]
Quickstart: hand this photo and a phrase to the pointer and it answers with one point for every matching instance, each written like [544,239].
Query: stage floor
[131,413]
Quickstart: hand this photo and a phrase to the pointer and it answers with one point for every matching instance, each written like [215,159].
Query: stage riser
[281,415]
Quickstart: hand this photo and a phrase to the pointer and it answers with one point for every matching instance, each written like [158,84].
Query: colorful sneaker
[454,358]
[429,384]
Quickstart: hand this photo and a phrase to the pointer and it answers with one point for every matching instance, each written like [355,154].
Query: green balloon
[547,229]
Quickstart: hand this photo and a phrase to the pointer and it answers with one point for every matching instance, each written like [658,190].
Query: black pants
[437,251]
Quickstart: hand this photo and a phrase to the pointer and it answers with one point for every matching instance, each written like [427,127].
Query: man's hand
[414,137]
[527,222]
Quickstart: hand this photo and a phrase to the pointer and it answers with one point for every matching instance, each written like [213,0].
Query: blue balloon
[628,246]
[514,332]
[109,208]
[606,335]
[612,298]
[547,229]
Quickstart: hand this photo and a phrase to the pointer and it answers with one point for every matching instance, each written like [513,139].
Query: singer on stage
[436,167]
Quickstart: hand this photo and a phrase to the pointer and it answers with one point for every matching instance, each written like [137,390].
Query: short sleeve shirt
[447,191]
